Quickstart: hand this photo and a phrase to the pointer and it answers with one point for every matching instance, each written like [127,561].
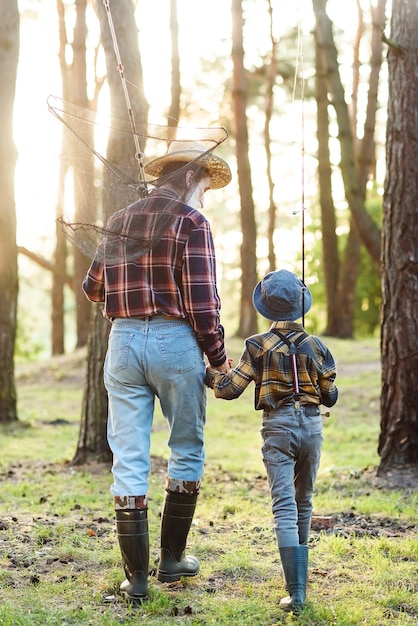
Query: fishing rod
[139,155]
[300,61]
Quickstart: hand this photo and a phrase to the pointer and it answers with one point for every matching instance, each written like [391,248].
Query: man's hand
[225,367]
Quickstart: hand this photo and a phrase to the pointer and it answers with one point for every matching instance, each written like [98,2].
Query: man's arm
[93,283]
[200,295]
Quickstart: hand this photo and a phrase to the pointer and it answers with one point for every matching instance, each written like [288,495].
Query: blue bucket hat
[282,296]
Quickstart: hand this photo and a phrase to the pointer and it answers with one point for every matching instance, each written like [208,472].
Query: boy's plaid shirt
[266,361]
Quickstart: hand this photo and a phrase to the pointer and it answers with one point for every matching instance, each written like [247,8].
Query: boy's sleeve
[328,388]
[231,385]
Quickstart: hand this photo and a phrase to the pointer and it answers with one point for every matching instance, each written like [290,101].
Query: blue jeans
[292,443]
[147,359]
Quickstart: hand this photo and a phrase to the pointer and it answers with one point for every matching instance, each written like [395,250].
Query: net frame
[107,234]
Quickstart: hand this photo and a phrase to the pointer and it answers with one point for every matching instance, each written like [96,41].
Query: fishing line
[299,68]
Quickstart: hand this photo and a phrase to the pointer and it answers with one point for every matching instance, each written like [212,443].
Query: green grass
[59,560]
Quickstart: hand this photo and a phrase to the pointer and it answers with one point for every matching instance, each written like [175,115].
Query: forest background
[338,140]
[205,100]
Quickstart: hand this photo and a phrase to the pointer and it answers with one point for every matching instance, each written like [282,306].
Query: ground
[70,368]
[30,538]
[27,555]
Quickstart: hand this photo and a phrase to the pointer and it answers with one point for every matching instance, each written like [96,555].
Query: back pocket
[276,445]
[118,353]
[178,352]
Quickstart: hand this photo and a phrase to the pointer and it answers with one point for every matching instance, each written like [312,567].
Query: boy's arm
[328,388]
[231,385]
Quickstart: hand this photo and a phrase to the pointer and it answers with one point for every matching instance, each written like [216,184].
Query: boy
[293,374]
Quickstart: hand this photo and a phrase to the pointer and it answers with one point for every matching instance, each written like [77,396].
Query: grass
[60,563]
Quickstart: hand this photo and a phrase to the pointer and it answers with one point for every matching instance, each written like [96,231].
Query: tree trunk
[82,177]
[92,443]
[364,151]
[366,228]
[57,293]
[9,54]
[174,112]
[341,294]
[330,256]
[398,442]
[248,318]
[92,439]
[271,77]
[340,276]
[74,87]
[60,278]
[347,285]
[353,108]
[59,268]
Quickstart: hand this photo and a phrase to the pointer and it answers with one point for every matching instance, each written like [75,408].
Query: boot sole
[172,578]
[290,607]
[138,600]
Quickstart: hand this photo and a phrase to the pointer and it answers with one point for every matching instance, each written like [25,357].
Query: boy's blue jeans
[153,358]
[292,443]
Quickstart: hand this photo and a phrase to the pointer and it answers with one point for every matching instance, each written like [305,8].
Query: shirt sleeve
[94,283]
[326,379]
[232,384]
[200,295]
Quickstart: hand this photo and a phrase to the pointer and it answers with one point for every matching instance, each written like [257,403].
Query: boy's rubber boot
[175,525]
[295,566]
[281,569]
[132,531]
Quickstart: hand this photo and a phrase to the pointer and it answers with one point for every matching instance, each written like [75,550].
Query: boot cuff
[186,487]
[130,503]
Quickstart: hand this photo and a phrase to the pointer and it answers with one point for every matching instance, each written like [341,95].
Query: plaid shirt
[177,277]
[267,362]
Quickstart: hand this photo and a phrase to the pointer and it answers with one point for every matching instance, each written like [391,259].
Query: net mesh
[108,215]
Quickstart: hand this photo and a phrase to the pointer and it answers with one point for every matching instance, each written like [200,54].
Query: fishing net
[116,169]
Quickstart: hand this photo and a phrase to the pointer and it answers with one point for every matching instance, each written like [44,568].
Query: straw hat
[188,151]
[282,296]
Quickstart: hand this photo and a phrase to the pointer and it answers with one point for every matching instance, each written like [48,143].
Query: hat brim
[295,314]
[220,173]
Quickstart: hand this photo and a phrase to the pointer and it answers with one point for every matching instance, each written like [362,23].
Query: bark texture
[248,319]
[92,443]
[398,443]
[9,54]
[366,228]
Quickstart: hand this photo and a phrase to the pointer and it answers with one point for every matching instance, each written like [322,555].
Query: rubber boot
[295,567]
[132,530]
[282,574]
[175,525]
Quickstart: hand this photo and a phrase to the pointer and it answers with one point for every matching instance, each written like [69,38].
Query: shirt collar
[297,326]
[165,192]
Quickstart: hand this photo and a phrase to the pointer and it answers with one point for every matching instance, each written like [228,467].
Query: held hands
[210,372]
[225,367]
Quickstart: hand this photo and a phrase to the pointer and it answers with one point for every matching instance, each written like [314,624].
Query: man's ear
[189,178]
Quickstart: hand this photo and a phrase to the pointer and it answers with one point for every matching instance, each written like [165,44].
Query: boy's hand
[223,368]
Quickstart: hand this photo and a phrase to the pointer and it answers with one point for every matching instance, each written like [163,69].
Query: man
[164,309]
